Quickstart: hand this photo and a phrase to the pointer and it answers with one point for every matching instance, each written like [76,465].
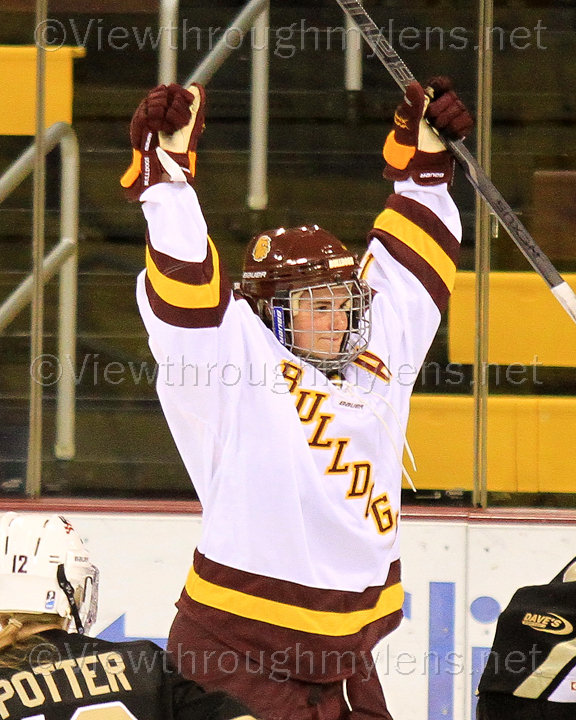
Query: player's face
[321,321]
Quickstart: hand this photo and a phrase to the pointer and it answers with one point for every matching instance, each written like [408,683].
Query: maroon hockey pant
[201,656]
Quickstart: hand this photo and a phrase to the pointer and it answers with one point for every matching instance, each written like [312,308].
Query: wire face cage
[327,325]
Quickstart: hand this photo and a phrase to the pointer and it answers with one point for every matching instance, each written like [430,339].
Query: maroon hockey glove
[446,112]
[164,133]
[413,148]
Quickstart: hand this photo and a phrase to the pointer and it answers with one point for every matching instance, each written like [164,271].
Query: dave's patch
[549,623]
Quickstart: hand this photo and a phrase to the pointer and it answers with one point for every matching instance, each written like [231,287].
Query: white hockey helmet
[45,568]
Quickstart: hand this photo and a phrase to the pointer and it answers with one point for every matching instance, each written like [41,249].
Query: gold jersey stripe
[181,294]
[367,260]
[371,359]
[540,679]
[317,622]
[421,242]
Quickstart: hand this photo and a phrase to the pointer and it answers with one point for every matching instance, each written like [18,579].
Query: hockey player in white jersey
[288,401]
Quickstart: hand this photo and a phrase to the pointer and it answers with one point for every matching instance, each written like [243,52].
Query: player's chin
[328,349]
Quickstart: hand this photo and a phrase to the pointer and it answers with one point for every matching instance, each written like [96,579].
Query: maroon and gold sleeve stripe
[420,241]
[187,294]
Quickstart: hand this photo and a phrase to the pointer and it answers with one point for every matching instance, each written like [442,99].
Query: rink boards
[459,569]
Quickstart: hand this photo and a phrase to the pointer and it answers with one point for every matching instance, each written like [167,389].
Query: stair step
[97,478]
[123,449]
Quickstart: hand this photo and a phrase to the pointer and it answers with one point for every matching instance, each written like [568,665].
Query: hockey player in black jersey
[49,669]
[531,670]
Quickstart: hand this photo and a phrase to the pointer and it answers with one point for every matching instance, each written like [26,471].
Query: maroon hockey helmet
[285,265]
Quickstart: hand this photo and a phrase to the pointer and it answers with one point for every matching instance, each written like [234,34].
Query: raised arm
[185,285]
[415,242]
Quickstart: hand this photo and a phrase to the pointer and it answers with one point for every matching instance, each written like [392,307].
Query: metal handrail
[168,49]
[212,62]
[258,176]
[353,57]
[255,14]
[63,258]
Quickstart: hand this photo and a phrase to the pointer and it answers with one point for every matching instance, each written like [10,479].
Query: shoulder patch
[373,364]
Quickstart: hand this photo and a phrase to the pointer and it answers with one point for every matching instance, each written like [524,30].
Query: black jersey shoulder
[72,677]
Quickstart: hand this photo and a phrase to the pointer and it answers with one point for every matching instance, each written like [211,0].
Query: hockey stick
[480,181]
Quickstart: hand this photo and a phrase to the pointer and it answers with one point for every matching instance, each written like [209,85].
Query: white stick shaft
[566,297]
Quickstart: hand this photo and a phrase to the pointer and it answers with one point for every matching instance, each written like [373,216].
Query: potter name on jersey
[81,678]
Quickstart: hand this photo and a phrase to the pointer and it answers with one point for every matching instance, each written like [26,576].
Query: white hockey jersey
[299,477]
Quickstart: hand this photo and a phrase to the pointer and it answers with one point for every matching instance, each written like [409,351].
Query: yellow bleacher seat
[530,438]
[18,87]
[530,443]
[527,324]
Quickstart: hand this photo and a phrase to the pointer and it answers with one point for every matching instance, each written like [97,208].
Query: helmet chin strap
[65,585]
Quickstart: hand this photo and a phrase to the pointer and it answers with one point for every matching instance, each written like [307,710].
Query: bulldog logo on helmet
[261,248]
